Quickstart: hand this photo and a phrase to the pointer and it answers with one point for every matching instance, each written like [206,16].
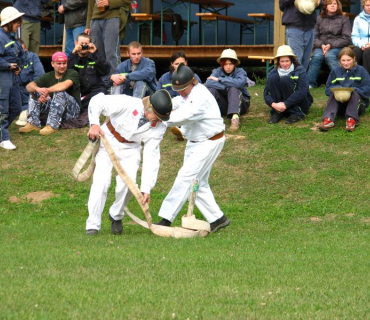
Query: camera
[85,47]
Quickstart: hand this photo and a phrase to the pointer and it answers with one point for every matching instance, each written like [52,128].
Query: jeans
[231,101]
[301,43]
[71,37]
[105,35]
[140,89]
[331,59]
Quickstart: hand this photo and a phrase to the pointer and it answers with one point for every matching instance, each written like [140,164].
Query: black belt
[215,137]
[116,134]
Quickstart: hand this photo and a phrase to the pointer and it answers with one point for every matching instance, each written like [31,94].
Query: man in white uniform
[198,114]
[132,121]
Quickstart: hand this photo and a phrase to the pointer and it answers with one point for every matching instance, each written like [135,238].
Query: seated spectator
[11,57]
[56,95]
[347,75]
[32,69]
[228,85]
[88,61]
[332,33]
[165,82]
[286,91]
[75,13]
[361,36]
[135,76]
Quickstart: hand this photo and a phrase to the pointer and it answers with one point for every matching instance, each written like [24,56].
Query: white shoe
[22,121]
[6,144]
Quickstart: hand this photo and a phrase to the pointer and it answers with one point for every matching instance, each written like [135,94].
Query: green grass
[297,247]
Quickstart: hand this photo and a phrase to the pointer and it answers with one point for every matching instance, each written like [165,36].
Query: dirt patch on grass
[365,220]
[33,197]
[235,137]
[315,219]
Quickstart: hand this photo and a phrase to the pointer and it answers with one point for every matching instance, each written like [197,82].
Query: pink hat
[59,57]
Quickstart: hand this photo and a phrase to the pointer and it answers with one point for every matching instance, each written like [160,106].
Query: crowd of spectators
[92,64]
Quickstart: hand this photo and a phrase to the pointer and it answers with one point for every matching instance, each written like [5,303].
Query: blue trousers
[353,108]
[281,88]
[71,37]
[231,101]
[10,102]
[331,59]
[139,90]
[61,106]
[301,43]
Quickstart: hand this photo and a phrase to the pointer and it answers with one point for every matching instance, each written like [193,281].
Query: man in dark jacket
[75,12]
[31,27]
[90,65]
[299,32]
[135,76]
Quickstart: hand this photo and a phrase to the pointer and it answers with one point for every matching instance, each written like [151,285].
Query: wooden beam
[279,29]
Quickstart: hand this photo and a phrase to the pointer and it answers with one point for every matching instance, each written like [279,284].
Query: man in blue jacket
[32,69]
[300,27]
[135,76]
[31,26]
[228,85]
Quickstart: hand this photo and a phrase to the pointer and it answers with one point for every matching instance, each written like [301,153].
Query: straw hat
[305,6]
[9,14]
[284,51]
[342,94]
[229,54]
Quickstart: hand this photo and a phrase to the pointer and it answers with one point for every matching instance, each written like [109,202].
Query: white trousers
[198,160]
[129,157]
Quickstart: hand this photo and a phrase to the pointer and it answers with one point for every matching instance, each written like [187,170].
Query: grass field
[297,247]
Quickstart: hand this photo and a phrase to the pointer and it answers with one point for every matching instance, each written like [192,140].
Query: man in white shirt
[198,114]
[133,121]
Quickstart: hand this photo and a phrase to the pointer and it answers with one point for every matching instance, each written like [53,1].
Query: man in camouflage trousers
[55,95]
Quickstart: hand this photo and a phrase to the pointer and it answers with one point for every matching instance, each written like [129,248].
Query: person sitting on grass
[55,95]
[228,85]
[286,91]
[332,33]
[347,75]
[165,81]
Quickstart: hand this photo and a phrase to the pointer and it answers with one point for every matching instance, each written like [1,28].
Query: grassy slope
[297,246]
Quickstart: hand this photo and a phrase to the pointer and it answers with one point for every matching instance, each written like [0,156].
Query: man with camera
[90,64]
[55,95]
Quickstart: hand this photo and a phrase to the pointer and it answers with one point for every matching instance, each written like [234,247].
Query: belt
[215,137]
[117,135]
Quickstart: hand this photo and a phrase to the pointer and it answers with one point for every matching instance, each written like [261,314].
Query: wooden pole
[279,29]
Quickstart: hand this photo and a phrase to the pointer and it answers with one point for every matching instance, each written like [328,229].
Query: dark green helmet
[161,104]
[182,78]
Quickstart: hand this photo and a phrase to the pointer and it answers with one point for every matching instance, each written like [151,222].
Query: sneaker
[293,118]
[92,232]
[28,128]
[234,125]
[47,130]
[326,124]
[350,124]
[163,222]
[219,223]
[7,145]
[177,132]
[275,118]
[22,121]
[116,226]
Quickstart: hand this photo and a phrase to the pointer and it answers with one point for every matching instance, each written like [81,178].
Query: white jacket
[198,115]
[125,112]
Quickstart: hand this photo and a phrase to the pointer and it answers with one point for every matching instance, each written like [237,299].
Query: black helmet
[182,78]
[161,104]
